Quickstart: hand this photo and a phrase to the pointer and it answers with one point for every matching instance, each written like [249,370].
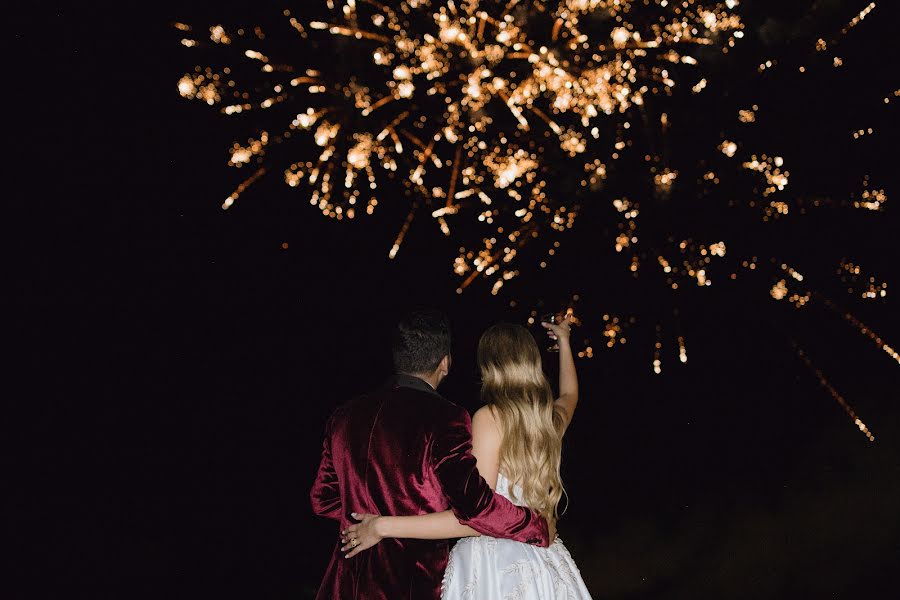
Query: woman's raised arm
[568,378]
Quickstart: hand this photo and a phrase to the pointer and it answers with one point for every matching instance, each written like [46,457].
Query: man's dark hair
[421,340]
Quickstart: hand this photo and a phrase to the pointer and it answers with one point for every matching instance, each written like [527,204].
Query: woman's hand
[559,332]
[361,536]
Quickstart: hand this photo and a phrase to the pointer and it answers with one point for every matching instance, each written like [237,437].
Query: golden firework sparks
[867,288]
[823,381]
[463,105]
[454,99]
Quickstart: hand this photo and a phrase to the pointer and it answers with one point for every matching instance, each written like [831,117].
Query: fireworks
[870,199]
[657,351]
[867,288]
[823,381]
[863,329]
[503,126]
[462,105]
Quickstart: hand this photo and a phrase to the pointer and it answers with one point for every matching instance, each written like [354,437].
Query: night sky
[181,363]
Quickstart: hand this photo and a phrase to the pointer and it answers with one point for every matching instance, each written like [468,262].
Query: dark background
[181,364]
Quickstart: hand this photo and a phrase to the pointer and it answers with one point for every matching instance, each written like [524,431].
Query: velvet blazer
[405,450]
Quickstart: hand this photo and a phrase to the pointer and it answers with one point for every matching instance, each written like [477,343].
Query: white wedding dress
[486,568]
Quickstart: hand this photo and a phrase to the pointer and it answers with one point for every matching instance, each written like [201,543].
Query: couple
[405,471]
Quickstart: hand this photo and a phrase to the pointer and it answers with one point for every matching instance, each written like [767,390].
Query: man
[405,450]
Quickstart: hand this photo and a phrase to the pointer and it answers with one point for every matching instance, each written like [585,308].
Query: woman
[517,440]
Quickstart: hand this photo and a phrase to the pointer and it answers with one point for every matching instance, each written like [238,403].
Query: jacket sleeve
[325,495]
[471,499]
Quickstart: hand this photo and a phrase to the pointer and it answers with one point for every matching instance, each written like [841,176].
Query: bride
[517,441]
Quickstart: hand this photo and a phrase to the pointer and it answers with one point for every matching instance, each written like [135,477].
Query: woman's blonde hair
[515,388]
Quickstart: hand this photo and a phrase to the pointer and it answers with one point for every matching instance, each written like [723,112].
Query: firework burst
[503,124]
[462,104]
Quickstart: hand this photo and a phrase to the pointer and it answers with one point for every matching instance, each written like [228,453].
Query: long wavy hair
[515,387]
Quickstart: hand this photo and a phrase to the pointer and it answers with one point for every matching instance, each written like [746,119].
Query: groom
[405,450]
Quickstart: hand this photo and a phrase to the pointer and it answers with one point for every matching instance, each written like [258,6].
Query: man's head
[421,345]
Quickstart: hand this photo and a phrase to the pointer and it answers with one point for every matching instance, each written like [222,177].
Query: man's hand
[361,536]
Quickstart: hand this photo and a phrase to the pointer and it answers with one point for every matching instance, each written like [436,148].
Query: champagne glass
[551,318]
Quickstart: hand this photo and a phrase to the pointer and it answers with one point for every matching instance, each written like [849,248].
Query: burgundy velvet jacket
[405,450]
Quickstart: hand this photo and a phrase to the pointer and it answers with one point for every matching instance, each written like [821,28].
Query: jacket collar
[411,381]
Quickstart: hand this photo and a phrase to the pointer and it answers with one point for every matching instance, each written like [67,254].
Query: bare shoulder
[484,421]
[485,414]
